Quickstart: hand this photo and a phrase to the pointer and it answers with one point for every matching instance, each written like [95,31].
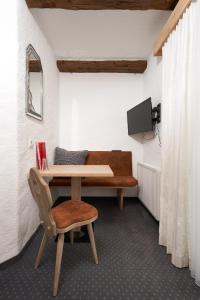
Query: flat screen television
[140,118]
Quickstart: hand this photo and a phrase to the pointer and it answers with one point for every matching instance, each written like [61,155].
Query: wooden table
[76,172]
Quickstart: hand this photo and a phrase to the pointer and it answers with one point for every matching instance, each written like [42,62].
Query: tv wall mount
[156,114]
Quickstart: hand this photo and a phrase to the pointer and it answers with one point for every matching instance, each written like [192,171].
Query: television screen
[140,118]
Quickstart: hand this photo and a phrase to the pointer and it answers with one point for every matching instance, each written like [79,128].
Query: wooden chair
[58,220]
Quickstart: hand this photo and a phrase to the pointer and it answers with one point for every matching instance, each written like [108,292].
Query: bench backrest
[119,161]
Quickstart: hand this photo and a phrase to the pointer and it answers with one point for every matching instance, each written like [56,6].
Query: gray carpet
[132,264]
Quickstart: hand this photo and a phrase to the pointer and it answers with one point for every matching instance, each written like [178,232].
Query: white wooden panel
[149,188]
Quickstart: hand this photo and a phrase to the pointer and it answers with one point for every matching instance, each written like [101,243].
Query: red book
[41,158]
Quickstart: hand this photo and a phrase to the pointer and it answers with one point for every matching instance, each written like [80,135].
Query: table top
[77,171]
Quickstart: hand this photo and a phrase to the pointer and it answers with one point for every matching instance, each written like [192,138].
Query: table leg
[76,188]
[76,193]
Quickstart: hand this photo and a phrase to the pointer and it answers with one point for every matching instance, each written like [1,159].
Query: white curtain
[180,182]
[194,193]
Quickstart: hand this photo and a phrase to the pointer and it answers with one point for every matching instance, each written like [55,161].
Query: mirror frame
[30,50]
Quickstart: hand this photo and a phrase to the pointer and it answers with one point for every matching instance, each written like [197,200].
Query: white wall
[18,212]
[8,130]
[29,128]
[152,86]
[93,111]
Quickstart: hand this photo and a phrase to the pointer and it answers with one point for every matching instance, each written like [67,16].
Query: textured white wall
[28,128]
[153,87]
[18,212]
[8,131]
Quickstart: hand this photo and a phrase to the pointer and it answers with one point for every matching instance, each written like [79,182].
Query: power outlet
[30,144]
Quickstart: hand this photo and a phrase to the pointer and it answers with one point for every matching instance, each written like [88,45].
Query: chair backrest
[42,195]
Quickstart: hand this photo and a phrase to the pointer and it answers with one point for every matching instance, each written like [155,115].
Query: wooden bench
[121,165]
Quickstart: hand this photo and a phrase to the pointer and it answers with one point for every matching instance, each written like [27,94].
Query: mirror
[34,84]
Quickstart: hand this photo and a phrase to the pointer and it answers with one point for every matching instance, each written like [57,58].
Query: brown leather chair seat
[72,211]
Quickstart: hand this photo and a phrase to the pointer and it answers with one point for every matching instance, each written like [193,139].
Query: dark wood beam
[35,66]
[104,4]
[106,66]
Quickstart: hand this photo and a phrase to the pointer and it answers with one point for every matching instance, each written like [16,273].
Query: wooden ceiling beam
[106,66]
[104,4]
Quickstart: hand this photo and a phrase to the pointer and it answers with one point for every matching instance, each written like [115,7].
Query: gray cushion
[65,157]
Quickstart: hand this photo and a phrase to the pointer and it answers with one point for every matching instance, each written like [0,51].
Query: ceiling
[107,34]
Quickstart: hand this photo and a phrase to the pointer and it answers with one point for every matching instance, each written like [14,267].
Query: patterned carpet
[132,264]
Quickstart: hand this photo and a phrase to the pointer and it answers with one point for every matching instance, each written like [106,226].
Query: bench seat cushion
[117,181]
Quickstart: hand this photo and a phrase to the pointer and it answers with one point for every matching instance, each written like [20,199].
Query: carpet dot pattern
[132,265]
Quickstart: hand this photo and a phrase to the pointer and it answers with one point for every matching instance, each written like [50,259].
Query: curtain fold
[194,95]
[180,180]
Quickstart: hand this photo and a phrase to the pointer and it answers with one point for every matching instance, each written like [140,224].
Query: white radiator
[149,187]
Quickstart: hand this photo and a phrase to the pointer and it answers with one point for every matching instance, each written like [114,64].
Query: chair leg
[60,244]
[120,198]
[41,250]
[71,234]
[92,241]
